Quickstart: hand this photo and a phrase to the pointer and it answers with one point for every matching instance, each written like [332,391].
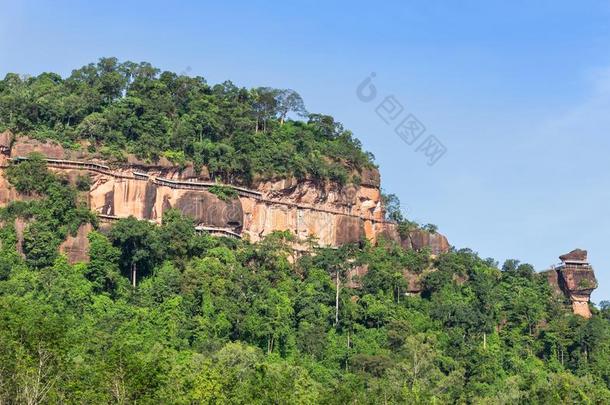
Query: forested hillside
[215,320]
[239,134]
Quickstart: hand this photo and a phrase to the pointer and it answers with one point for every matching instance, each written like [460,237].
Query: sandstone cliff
[332,214]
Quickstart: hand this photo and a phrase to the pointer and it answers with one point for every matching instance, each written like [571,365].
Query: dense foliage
[237,133]
[223,321]
[53,212]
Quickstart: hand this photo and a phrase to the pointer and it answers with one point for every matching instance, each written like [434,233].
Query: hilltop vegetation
[238,133]
[217,320]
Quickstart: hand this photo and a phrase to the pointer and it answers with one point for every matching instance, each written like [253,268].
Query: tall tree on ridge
[289,100]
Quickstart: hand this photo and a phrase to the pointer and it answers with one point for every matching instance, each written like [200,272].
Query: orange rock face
[333,214]
[578,283]
[76,247]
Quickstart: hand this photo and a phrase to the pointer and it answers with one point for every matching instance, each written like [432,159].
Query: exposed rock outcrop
[575,279]
[417,239]
[420,238]
[333,214]
[76,247]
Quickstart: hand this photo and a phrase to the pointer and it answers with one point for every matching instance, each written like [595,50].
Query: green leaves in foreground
[215,321]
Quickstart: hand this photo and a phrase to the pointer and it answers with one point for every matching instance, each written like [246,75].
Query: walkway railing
[190,185]
[198,185]
[75,164]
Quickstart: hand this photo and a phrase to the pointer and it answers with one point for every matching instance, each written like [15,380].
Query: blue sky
[518,93]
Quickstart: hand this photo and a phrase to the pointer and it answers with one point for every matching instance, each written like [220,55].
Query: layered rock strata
[330,213]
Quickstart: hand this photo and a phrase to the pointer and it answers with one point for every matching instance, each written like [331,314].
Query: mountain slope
[161,311]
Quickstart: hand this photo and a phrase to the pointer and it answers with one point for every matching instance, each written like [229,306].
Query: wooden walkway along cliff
[192,185]
[103,169]
[197,185]
[75,164]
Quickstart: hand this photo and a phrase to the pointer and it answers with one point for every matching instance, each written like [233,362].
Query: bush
[225,193]
[83,182]
[30,176]
[430,228]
